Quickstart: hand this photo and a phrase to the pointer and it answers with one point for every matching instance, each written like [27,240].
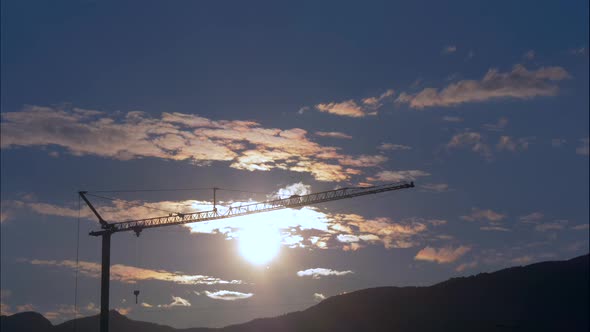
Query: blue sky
[483,105]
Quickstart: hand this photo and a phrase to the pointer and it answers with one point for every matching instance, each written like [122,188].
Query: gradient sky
[484,105]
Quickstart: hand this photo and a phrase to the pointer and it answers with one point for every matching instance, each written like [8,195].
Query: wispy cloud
[520,83]
[529,55]
[245,145]
[557,142]
[177,301]
[532,217]
[499,126]
[449,49]
[555,225]
[395,176]
[227,295]
[319,272]
[333,134]
[452,118]
[319,297]
[435,187]
[470,140]
[478,214]
[352,108]
[507,143]
[583,149]
[131,274]
[441,255]
[466,266]
[494,228]
[393,147]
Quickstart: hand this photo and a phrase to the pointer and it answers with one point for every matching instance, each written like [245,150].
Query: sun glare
[259,245]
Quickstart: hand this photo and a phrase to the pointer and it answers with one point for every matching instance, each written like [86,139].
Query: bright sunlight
[259,245]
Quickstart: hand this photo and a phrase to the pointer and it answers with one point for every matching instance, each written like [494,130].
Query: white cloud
[393,147]
[477,214]
[350,108]
[333,134]
[177,301]
[131,274]
[442,255]
[471,140]
[583,149]
[581,227]
[319,297]
[499,126]
[509,144]
[245,145]
[227,295]
[319,272]
[435,187]
[556,225]
[519,83]
[494,228]
[449,49]
[532,217]
[396,176]
[452,118]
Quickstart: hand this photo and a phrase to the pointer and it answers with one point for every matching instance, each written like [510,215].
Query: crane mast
[138,225]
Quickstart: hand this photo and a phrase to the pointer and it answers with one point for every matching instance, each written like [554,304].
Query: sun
[259,245]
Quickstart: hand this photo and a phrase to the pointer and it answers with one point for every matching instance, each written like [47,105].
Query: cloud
[477,214]
[579,51]
[581,227]
[583,149]
[396,176]
[556,225]
[449,49]
[245,145]
[532,217]
[522,260]
[442,255]
[435,187]
[502,123]
[557,142]
[494,228]
[466,266]
[509,144]
[319,272]
[471,140]
[393,147]
[318,297]
[519,83]
[131,274]
[177,301]
[452,119]
[350,108]
[146,305]
[227,295]
[529,55]
[333,134]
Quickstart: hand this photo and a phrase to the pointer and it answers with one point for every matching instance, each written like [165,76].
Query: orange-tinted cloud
[441,255]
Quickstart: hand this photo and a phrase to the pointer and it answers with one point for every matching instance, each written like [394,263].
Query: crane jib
[242,210]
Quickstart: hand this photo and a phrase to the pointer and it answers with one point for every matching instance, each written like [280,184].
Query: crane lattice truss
[137,226]
[242,210]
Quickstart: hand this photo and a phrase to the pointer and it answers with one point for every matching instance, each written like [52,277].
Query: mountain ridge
[545,296]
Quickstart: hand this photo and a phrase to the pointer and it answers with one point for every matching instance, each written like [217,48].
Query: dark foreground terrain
[548,296]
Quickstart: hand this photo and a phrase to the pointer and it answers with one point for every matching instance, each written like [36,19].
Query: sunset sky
[484,105]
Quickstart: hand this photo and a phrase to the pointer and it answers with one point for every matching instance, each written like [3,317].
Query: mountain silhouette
[547,296]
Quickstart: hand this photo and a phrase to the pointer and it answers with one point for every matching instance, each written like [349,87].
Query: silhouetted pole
[104,282]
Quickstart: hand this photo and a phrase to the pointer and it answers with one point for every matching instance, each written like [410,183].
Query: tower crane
[294,201]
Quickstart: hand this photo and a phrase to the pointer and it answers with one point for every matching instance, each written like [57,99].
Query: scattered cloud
[245,145]
[494,228]
[579,51]
[520,83]
[583,148]
[435,187]
[452,118]
[177,301]
[477,214]
[529,55]
[532,217]
[227,295]
[303,110]
[318,297]
[499,126]
[581,227]
[507,143]
[351,108]
[522,260]
[449,49]
[466,266]
[131,274]
[396,176]
[556,225]
[393,147]
[333,134]
[442,255]
[557,142]
[319,272]
[146,305]
[471,140]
